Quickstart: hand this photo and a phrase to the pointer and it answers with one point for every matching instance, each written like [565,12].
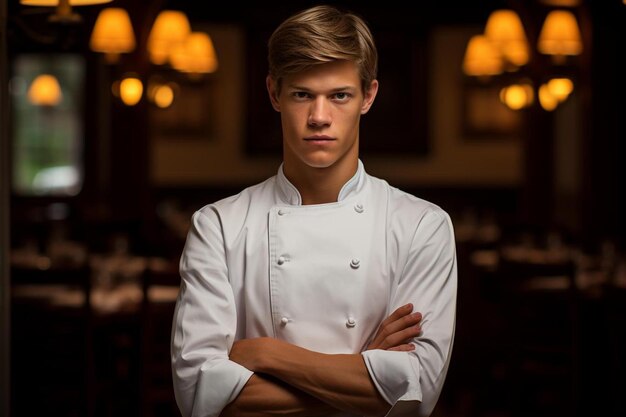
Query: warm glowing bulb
[517,96]
[163,96]
[560,88]
[546,99]
[45,91]
[131,90]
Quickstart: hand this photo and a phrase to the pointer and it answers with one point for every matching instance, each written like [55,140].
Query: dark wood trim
[4,221]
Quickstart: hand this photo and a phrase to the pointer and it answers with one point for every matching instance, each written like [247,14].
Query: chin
[319,160]
[319,164]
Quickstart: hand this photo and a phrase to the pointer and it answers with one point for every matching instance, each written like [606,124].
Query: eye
[300,95]
[342,96]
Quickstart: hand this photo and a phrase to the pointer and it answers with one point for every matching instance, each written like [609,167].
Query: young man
[323,290]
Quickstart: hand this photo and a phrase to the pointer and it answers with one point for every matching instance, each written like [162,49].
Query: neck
[320,185]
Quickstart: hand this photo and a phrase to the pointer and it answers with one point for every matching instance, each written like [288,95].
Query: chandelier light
[196,55]
[112,34]
[560,35]
[482,58]
[169,31]
[63,13]
[504,29]
[503,47]
[45,91]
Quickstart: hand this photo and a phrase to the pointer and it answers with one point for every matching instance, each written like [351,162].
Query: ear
[369,96]
[273,92]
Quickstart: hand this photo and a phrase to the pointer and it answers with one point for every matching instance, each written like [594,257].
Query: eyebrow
[334,90]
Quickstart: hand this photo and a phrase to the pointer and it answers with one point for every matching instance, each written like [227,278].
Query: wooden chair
[51,342]
[160,288]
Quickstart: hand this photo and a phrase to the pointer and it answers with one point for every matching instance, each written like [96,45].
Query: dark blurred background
[98,185]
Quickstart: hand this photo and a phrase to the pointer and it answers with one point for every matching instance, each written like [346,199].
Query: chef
[322,291]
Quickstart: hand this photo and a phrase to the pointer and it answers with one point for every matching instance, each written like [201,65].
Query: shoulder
[411,220]
[404,206]
[236,209]
[422,219]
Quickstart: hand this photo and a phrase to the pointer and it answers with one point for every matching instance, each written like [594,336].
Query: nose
[319,113]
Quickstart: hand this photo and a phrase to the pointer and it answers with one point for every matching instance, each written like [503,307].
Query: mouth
[319,139]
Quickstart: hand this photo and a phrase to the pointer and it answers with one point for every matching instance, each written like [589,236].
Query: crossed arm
[290,380]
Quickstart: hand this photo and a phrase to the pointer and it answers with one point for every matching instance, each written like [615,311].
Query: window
[48,138]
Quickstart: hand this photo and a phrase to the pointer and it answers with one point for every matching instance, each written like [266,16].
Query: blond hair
[320,35]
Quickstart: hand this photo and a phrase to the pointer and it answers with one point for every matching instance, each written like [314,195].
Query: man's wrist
[265,354]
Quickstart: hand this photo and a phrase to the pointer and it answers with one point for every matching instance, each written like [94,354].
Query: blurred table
[77,331]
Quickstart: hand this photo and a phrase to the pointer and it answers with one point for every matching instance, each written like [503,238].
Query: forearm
[339,380]
[264,395]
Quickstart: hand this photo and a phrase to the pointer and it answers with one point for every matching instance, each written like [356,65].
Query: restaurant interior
[119,119]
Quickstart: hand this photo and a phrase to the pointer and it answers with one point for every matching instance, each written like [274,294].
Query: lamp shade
[63,8]
[560,34]
[56,2]
[170,29]
[195,55]
[561,3]
[482,58]
[45,91]
[505,30]
[113,33]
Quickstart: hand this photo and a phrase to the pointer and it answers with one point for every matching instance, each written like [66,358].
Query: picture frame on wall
[484,115]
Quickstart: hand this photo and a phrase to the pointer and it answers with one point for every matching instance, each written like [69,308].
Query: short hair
[320,35]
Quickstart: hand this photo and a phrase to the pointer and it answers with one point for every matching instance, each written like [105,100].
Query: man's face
[320,112]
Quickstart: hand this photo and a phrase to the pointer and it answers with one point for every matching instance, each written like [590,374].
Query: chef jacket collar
[290,194]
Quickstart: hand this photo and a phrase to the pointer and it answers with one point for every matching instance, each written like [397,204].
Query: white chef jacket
[322,277]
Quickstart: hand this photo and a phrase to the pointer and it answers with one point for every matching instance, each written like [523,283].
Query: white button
[351,322]
[284,321]
[281,260]
[281,212]
[359,208]
[355,263]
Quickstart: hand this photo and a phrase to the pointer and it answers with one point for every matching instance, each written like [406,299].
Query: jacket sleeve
[205,321]
[412,381]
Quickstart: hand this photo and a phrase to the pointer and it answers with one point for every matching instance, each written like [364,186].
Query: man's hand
[397,330]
